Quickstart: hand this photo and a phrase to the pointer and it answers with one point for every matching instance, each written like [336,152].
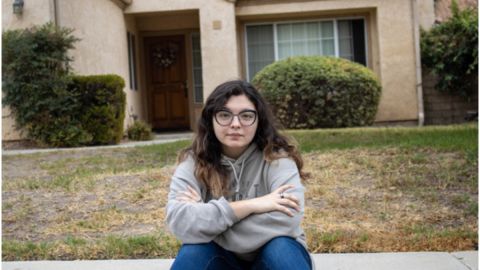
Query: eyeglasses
[246,118]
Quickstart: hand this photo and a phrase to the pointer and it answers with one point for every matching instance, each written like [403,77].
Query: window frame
[335,34]
[192,35]
[132,62]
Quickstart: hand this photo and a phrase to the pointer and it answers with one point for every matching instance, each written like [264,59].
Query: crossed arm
[278,200]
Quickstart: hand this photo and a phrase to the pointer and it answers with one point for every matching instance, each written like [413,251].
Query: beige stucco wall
[135,98]
[391,44]
[219,46]
[34,13]
[426,13]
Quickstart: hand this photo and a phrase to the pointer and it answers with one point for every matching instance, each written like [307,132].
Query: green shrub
[139,131]
[450,51]
[35,79]
[102,106]
[52,106]
[320,92]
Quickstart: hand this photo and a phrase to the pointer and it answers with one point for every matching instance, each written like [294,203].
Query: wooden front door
[167,82]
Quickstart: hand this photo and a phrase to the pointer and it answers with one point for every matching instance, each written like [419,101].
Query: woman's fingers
[193,191]
[283,188]
[190,195]
[285,210]
[184,199]
[290,203]
[291,197]
[291,200]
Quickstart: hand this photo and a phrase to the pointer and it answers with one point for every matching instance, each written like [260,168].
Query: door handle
[185,88]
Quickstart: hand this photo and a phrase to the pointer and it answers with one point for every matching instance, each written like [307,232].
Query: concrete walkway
[158,139]
[465,260]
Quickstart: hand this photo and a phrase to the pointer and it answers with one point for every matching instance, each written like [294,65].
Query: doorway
[166,83]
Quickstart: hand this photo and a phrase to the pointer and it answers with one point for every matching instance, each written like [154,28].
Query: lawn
[371,189]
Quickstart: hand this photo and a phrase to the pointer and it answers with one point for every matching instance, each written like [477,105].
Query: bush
[101,106]
[52,106]
[139,131]
[35,79]
[320,92]
[450,50]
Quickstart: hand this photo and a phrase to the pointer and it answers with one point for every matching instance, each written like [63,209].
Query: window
[267,43]
[197,68]
[132,67]
[260,47]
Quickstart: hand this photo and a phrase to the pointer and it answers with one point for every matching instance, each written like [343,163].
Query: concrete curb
[463,260]
[159,139]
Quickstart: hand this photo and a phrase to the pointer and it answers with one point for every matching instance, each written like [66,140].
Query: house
[173,53]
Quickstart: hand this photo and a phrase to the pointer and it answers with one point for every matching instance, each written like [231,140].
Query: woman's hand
[278,200]
[190,195]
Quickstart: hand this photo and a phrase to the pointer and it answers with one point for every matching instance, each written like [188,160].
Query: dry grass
[391,200]
[82,206]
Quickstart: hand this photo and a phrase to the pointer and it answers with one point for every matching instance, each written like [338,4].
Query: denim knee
[283,253]
[195,256]
[203,256]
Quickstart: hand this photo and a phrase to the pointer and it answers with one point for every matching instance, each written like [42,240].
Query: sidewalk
[158,139]
[464,260]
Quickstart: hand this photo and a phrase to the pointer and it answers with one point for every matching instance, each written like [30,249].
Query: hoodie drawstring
[237,177]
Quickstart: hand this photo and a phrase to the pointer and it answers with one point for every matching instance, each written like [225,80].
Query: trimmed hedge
[320,92]
[102,106]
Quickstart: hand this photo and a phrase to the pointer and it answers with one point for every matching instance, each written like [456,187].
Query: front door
[167,82]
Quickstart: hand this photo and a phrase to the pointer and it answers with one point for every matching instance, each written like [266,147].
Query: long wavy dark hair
[206,149]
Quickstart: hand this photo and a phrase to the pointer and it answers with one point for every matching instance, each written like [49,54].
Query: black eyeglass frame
[237,115]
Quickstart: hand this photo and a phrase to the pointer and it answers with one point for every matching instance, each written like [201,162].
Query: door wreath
[166,56]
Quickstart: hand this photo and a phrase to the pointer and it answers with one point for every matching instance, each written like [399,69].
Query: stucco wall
[426,13]
[101,29]
[219,46]
[135,98]
[34,13]
[391,44]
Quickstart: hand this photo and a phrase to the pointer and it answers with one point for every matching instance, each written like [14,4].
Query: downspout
[418,63]
[55,12]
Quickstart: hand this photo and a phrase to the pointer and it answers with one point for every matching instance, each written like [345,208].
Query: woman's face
[237,133]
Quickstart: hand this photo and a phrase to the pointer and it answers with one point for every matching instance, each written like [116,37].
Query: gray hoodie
[213,219]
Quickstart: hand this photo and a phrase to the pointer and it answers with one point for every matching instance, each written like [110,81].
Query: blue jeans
[279,253]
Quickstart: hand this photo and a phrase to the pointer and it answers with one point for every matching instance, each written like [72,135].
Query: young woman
[236,199]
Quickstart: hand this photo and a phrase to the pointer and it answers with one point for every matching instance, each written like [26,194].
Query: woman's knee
[198,250]
[279,245]
[193,256]
[284,253]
